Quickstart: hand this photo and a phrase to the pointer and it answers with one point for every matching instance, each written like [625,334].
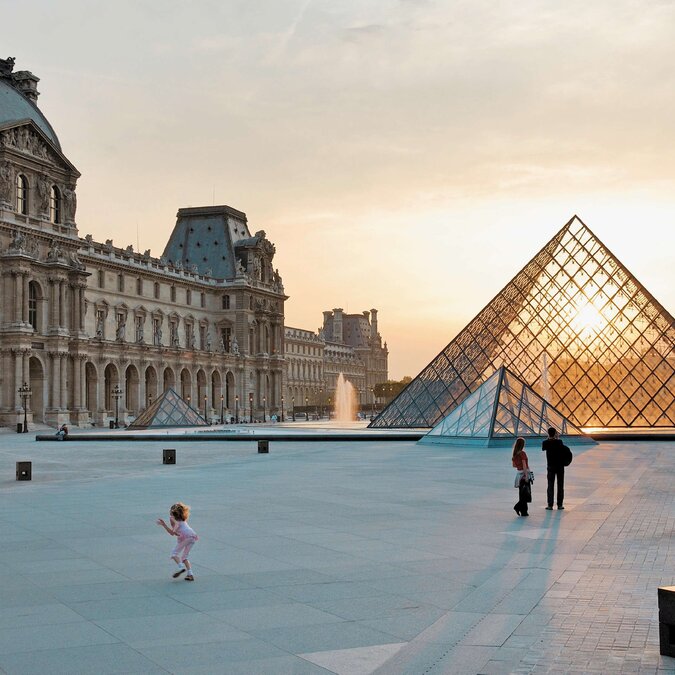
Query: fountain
[345,400]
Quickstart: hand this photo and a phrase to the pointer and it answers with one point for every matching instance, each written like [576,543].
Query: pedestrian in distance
[178,527]
[522,481]
[62,433]
[558,456]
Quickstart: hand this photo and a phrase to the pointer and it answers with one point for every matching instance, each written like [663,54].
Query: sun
[587,319]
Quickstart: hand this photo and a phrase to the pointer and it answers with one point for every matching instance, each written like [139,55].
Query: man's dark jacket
[555,455]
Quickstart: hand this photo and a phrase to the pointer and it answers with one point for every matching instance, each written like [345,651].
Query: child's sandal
[189,577]
[178,573]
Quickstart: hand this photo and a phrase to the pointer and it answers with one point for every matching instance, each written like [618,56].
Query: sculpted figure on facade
[6,183]
[235,346]
[121,328]
[55,253]
[208,342]
[42,184]
[139,329]
[70,206]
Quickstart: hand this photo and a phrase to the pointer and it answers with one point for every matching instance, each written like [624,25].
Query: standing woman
[522,481]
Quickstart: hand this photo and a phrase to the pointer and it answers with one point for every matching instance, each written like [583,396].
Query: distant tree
[390,389]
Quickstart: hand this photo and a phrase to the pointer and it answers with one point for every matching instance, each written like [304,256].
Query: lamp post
[250,405]
[320,402]
[117,395]
[189,399]
[372,403]
[236,409]
[205,399]
[306,407]
[282,409]
[221,409]
[25,393]
[264,403]
[293,406]
[329,408]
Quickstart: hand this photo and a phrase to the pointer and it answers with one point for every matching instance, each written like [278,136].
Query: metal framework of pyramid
[499,411]
[576,326]
[169,410]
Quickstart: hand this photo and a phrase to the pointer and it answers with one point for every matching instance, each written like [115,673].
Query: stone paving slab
[333,558]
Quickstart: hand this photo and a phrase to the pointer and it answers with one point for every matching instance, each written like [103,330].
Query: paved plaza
[347,558]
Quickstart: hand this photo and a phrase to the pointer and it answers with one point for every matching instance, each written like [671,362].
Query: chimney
[337,325]
[373,323]
[26,83]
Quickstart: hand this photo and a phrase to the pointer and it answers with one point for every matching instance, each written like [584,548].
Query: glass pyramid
[169,410]
[499,411]
[576,326]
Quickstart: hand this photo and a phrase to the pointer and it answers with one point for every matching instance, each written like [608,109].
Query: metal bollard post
[263,447]
[24,470]
[169,456]
[667,620]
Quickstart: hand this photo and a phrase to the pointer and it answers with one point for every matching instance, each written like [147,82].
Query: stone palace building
[97,331]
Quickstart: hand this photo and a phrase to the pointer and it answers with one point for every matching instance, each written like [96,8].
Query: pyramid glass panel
[500,410]
[576,327]
[169,410]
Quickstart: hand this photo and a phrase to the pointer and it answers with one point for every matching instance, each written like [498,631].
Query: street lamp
[25,393]
[293,406]
[250,405]
[221,408]
[306,407]
[264,402]
[117,395]
[282,409]
[205,399]
[329,408]
[320,402]
[236,409]
[372,403]
[189,398]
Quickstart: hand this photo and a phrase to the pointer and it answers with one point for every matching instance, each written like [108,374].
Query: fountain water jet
[345,400]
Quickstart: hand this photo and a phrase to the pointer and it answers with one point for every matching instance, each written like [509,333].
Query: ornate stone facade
[347,343]
[79,318]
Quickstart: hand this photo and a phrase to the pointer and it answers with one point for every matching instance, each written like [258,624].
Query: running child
[178,517]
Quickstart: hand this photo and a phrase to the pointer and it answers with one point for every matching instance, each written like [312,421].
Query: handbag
[525,490]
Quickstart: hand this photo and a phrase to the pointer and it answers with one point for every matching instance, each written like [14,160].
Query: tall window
[202,299]
[21,194]
[139,286]
[33,305]
[101,279]
[188,297]
[120,283]
[226,302]
[156,290]
[173,294]
[55,205]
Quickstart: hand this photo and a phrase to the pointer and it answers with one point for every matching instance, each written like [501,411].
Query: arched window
[55,205]
[33,305]
[21,194]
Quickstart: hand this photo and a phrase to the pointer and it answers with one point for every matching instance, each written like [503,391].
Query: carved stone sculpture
[235,346]
[6,181]
[70,207]
[121,329]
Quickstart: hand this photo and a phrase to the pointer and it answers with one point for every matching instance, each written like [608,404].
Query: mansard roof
[15,107]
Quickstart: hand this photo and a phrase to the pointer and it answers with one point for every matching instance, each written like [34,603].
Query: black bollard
[263,447]
[169,456]
[667,620]
[24,470]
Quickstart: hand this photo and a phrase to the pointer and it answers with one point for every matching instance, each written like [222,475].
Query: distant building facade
[346,343]
[97,331]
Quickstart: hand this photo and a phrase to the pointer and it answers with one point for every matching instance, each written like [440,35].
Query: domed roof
[14,107]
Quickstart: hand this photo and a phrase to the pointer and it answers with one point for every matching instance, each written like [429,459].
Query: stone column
[82,307]
[77,382]
[64,380]
[62,302]
[24,298]
[16,297]
[83,382]
[18,379]
[56,380]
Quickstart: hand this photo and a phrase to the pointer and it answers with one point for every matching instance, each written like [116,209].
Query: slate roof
[14,107]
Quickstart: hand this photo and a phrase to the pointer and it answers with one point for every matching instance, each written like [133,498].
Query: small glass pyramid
[169,410]
[499,411]
[576,326]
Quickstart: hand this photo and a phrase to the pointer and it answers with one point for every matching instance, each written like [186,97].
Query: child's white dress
[186,540]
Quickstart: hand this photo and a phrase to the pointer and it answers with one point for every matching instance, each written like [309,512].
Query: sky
[406,155]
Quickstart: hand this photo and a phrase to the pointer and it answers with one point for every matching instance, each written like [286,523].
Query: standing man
[555,467]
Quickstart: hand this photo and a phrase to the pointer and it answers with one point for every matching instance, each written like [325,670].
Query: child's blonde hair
[180,511]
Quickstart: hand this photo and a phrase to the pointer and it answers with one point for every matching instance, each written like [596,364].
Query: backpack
[567,455]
